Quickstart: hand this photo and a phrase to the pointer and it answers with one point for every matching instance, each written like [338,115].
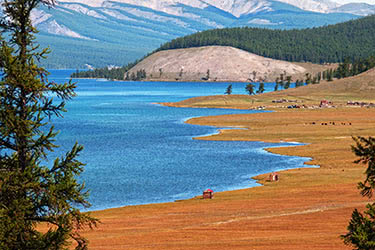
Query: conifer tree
[228,91]
[250,88]
[280,81]
[361,228]
[133,77]
[261,88]
[34,190]
[298,83]
[276,84]
[330,75]
[308,78]
[288,82]
[324,76]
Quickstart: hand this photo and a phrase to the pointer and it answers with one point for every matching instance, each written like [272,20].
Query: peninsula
[306,209]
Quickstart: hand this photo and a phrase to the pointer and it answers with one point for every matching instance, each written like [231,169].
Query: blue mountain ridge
[108,39]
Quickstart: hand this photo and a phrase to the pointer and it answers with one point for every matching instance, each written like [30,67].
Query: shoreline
[171,80]
[255,178]
[259,179]
[308,208]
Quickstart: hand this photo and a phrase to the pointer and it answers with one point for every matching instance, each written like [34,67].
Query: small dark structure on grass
[274,177]
[208,194]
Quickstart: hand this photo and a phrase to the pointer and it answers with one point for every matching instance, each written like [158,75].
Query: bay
[138,152]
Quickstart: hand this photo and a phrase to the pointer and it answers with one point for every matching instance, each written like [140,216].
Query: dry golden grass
[357,88]
[308,208]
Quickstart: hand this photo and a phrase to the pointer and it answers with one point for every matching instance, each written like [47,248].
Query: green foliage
[141,74]
[276,85]
[299,83]
[348,68]
[228,91]
[328,75]
[349,43]
[114,40]
[117,73]
[333,43]
[361,229]
[250,89]
[283,81]
[288,82]
[365,149]
[260,89]
[114,73]
[31,192]
[308,79]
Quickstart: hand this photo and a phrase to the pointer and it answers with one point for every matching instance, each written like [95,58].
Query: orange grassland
[307,208]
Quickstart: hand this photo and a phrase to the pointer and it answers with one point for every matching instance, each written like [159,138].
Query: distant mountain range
[98,33]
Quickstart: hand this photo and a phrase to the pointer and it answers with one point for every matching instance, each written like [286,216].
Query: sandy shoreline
[255,177]
[308,208]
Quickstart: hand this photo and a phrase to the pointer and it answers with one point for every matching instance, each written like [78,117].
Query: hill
[359,88]
[308,208]
[213,63]
[351,42]
[101,33]
[333,43]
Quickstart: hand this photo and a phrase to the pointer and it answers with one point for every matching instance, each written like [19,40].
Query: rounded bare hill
[213,63]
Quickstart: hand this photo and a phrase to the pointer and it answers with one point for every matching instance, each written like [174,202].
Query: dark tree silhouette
[228,91]
[31,192]
[361,229]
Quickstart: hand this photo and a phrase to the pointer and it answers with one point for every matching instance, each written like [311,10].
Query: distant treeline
[353,39]
[116,73]
[108,73]
[350,43]
[348,68]
[345,69]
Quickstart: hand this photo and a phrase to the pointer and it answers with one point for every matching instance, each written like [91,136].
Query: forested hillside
[334,43]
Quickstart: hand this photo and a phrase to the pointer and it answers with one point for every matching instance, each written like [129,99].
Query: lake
[138,152]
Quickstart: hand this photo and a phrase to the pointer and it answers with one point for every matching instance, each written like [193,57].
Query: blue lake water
[138,152]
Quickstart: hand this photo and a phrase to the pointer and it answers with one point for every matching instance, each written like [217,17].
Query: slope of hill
[334,43]
[327,134]
[101,33]
[214,63]
[357,88]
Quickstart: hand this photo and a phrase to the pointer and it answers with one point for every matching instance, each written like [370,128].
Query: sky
[355,1]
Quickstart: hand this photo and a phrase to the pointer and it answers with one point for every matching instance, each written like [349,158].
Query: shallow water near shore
[138,152]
